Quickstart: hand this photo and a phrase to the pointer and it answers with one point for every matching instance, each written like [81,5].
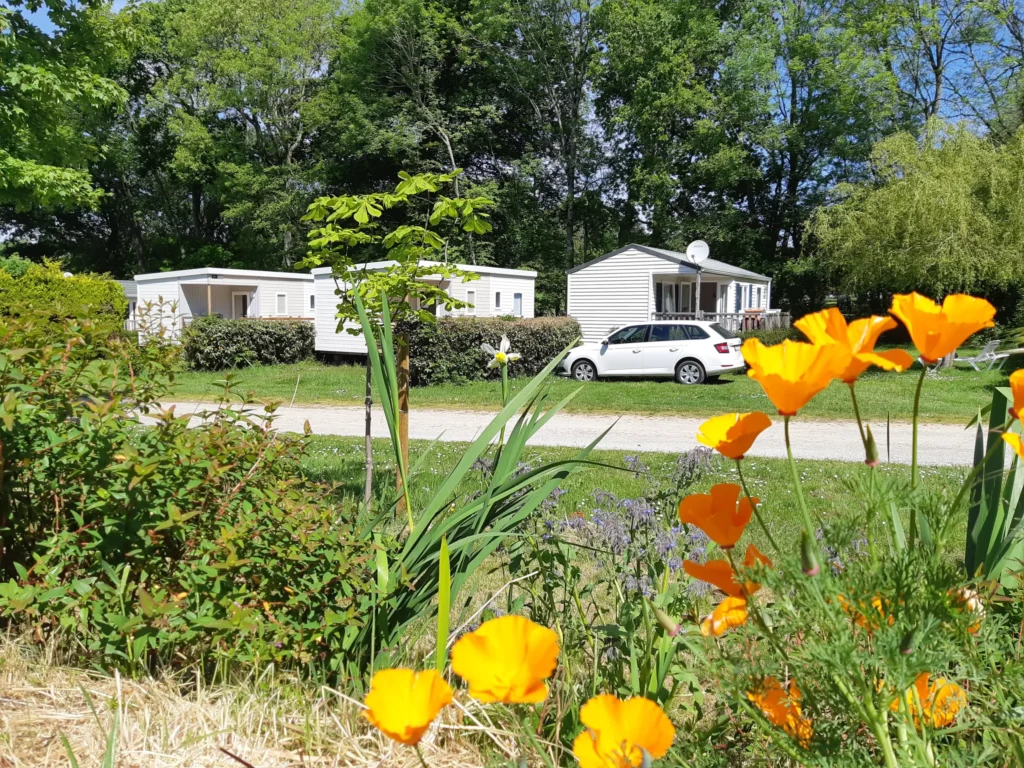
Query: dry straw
[267,721]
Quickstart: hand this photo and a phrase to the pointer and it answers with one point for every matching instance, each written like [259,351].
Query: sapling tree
[410,229]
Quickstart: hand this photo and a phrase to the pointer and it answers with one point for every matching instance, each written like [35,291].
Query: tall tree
[52,78]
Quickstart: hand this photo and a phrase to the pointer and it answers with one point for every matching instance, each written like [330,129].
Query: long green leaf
[444,605]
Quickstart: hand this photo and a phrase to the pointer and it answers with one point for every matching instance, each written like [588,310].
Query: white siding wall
[166,300]
[327,337]
[482,291]
[743,285]
[265,303]
[616,291]
[509,286]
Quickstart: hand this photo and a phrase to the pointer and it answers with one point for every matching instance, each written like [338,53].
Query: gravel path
[940,444]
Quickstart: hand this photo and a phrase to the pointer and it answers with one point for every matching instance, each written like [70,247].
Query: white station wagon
[690,351]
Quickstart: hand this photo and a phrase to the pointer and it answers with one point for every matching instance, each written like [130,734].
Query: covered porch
[231,299]
[705,295]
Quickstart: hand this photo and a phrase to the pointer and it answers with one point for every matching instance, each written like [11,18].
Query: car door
[623,354]
[664,348]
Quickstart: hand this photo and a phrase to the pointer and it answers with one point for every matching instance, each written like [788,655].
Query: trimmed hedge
[215,343]
[448,351]
[43,290]
[774,335]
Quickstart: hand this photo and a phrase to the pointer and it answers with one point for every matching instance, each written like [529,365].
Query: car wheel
[583,370]
[690,372]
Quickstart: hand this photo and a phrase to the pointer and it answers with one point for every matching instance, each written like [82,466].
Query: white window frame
[471,300]
[277,304]
[248,303]
[517,311]
[497,299]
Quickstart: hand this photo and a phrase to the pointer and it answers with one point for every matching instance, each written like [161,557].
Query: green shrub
[44,291]
[449,350]
[162,545]
[774,335]
[214,343]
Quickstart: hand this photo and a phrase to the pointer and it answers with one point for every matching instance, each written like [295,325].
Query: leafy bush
[449,350]
[164,544]
[214,343]
[773,336]
[43,291]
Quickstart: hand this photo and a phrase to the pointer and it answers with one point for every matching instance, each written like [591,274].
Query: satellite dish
[697,251]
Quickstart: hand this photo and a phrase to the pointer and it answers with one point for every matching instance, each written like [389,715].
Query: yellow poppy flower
[507,659]
[718,514]
[619,732]
[728,614]
[732,434]
[720,573]
[860,337]
[1017,387]
[791,373]
[941,701]
[937,331]
[971,601]
[403,704]
[1014,441]
[782,708]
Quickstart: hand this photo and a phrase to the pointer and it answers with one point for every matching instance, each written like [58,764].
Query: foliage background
[185,133]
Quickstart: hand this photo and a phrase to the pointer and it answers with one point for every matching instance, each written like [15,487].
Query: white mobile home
[637,284]
[498,292]
[178,297]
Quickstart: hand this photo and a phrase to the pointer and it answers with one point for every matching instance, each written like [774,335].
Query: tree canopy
[182,133]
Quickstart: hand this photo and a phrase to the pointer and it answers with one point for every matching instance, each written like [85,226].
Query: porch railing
[734,321]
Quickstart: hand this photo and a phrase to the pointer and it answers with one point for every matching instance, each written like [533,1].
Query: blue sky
[41,20]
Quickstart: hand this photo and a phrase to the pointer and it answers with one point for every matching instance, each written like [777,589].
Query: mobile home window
[471,300]
[282,303]
[312,301]
[517,304]
[738,300]
[497,300]
[759,296]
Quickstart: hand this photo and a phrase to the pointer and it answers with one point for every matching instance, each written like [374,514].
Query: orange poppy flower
[620,732]
[1017,387]
[728,614]
[941,701]
[732,434]
[507,659]
[720,573]
[718,514]
[937,331]
[403,703]
[791,373]
[860,337]
[1014,441]
[863,616]
[782,708]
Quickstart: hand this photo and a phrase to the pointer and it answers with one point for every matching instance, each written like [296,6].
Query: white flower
[500,356]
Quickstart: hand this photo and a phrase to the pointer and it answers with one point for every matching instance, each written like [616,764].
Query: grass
[951,396]
[827,484]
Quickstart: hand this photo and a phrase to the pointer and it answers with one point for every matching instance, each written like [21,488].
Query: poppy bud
[909,642]
[666,621]
[808,557]
[872,450]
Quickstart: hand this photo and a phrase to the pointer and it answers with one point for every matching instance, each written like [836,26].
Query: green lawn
[826,483]
[949,396]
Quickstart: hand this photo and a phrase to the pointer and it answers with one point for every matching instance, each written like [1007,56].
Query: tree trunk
[368,439]
[403,414]
[570,198]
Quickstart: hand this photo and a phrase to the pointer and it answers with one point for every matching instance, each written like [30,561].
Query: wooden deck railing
[734,321]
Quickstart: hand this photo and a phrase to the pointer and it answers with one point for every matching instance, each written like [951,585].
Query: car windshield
[725,333]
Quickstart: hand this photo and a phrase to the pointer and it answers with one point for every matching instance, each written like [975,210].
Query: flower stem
[856,412]
[756,507]
[419,754]
[913,457]
[808,525]
[504,402]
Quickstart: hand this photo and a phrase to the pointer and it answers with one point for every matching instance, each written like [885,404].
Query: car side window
[696,333]
[668,332]
[631,335]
